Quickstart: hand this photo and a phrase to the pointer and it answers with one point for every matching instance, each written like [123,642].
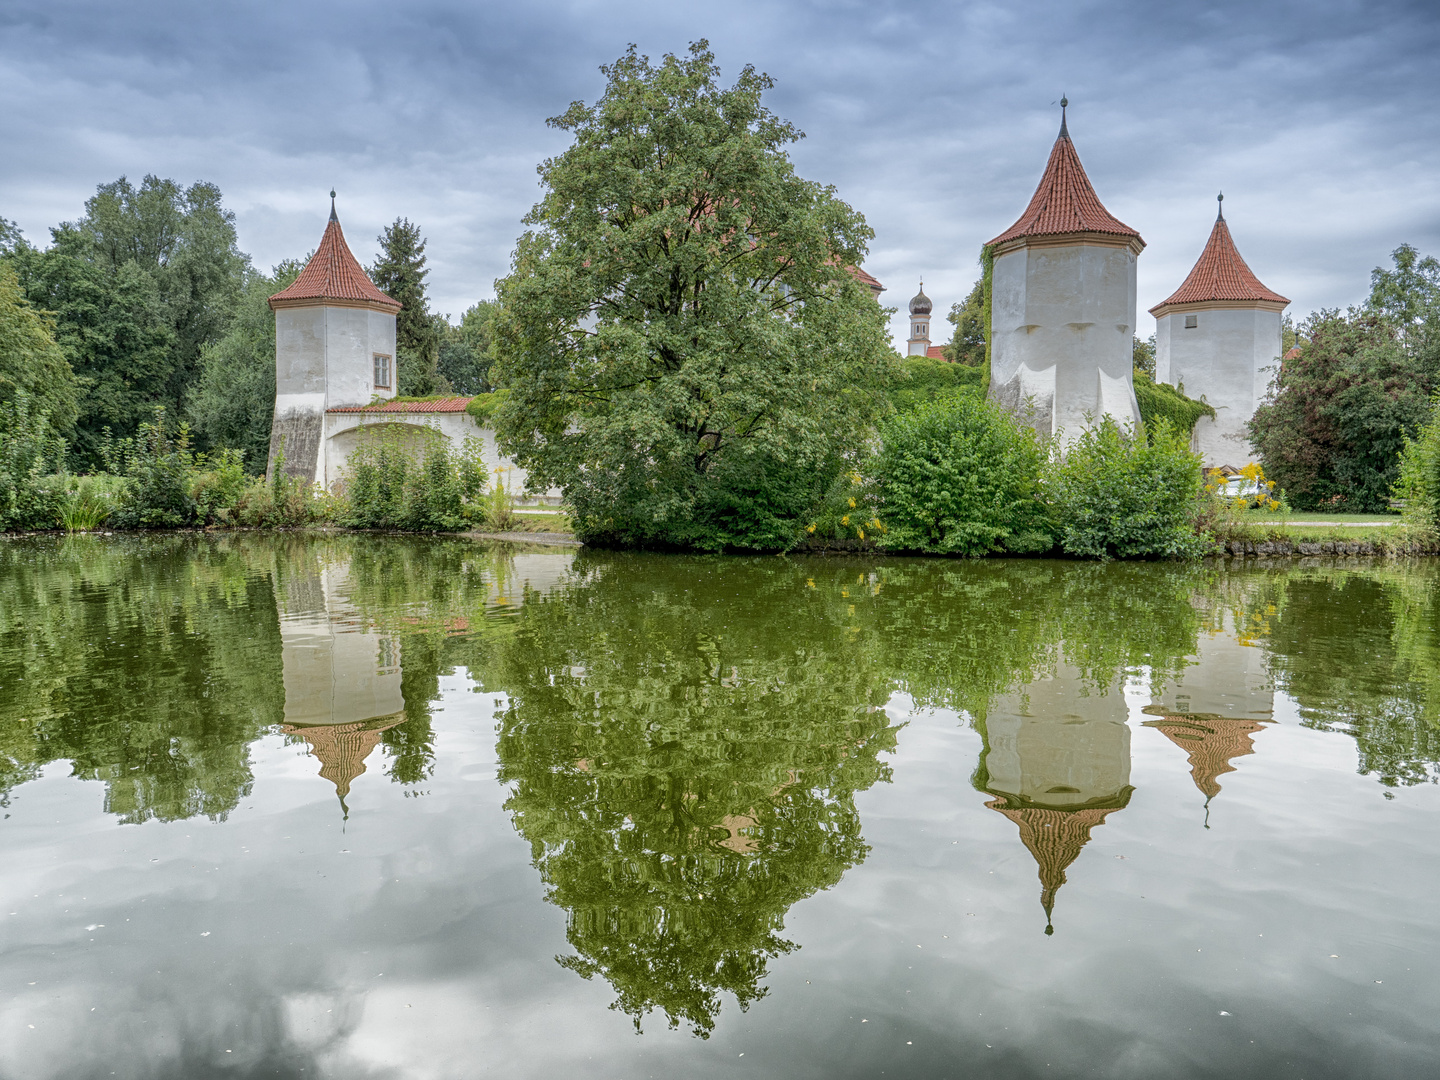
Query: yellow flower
[852,504]
[861,532]
[845,520]
[810,583]
[811,529]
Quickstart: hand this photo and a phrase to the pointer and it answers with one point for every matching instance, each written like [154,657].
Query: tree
[233,400]
[967,344]
[1143,353]
[184,240]
[465,350]
[686,353]
[400,273]
[30,360]
[114,332]
[1332,427]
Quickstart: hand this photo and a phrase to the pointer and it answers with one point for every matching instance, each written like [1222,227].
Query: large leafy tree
[233,400]
[465,350]
[1331,429]
[967,343]
[30,360]
[400,273]
[686,353]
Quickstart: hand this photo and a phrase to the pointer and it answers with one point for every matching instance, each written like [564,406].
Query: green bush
[430,489]
[1419,482]
[920,379]
[1162,402]
[88,502]
[1117,494]
[30,453]
[959,476]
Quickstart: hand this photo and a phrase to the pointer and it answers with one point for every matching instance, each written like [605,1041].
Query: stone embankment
[1272,548]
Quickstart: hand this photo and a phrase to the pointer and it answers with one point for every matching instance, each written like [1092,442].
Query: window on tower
[1192,321]
[382,371]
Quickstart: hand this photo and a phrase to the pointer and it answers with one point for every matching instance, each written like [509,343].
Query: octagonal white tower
[1217,337]
[1062,316]
[920,308]
[334,346]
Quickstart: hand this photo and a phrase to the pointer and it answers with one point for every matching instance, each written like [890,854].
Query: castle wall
[1226,359]
[1062,323]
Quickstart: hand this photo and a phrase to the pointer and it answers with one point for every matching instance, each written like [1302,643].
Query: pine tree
[400,273]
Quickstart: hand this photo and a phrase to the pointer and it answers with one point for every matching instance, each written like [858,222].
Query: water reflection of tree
[685,739]
[149,664]
[1359,650]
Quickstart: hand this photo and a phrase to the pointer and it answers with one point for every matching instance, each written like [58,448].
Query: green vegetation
[465,350]
[686,354]
[31,363]
[967,343]
[1419,481]
[921,379]
[400,274]
[429,488]
[958,477]
[1338,415]
[1161,403]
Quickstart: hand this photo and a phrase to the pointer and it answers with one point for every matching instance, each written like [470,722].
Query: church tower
[334,346]
[1063,305]
[1217,336]
[920,308]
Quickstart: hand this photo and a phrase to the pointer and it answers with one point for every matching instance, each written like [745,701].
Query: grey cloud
[933,119]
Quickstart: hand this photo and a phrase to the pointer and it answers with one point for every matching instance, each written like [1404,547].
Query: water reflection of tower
[342,683]
[1213,707]
[1057,758]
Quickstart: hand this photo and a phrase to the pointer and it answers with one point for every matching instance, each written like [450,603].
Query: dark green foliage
[679,335]
[233,400]
[30,454]
[959,477]
[920,379]
[465,350]
[1144,356]
[1118,494]
[112,325]
[404,478]
[1337,416]
[400,273]
[157,467]
[31,363]
[1332,427]
[967,343]
[1163,403]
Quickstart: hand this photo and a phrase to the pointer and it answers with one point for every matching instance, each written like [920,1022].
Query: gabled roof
[1065,202]
[333,274]
[433,405]
[1220,274]
[866,279]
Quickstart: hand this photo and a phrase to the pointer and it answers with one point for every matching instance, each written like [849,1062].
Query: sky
[1320,121]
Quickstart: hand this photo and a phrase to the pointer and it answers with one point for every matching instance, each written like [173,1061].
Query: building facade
[1063,305]
[1217,338]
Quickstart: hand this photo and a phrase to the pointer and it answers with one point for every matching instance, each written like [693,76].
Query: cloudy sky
[1318,119]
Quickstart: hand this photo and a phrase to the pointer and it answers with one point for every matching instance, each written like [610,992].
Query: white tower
[920,308]
[1217,336]
[1063,305]
[334,346]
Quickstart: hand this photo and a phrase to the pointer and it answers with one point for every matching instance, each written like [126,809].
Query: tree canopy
[30,360]
[686,353]
[967,343]
[400,273]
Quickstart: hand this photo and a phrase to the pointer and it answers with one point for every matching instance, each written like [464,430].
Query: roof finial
[333,216]
[1064,128]
[1220,199]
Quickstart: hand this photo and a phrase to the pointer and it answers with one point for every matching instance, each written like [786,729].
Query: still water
[363,807]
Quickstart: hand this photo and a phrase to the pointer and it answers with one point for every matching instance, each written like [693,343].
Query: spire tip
[1064,127]
[1220,202]
[333,216]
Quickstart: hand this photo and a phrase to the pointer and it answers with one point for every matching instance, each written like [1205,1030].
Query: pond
[349,806]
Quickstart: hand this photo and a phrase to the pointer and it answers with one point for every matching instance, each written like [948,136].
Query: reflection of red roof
[435,405]
[343,748]
[1211,742]
[1055,838]
[1065,202]
[1220,274]
[333,274]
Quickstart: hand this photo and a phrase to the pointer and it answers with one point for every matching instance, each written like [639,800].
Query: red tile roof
[866,280]
[1220,274]
[1065,202]
[936,352]
[435,405]
[333,274]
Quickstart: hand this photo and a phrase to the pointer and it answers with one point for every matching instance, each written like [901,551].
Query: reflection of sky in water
[1243,903]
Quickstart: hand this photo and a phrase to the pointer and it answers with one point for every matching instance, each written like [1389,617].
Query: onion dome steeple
[920,304]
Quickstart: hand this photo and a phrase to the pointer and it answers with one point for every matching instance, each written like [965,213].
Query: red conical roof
[333,274]
[1065,202]
[1220,274]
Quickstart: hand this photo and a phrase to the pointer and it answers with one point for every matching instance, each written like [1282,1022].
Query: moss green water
[385,807]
